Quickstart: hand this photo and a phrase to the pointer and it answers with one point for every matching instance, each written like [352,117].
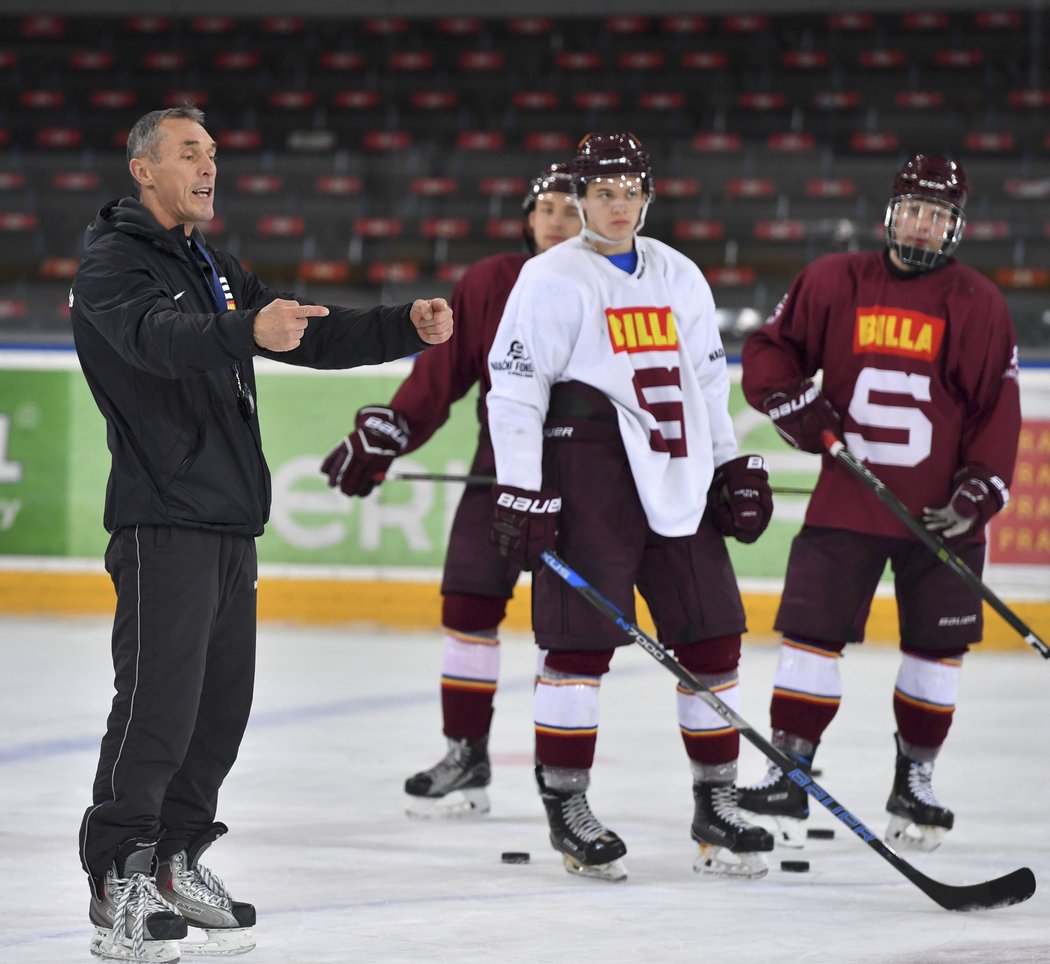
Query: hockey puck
[795,866]
[514,857]
[820,833]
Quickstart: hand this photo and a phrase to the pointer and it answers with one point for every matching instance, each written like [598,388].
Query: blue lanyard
[211,274]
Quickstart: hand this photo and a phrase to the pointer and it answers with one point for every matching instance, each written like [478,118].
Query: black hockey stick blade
[1013,888]
[934,543]
[491,480]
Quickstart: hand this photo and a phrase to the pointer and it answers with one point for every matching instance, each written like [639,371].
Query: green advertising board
[54,463]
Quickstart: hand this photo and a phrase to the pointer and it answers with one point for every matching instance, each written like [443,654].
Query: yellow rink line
[417,605]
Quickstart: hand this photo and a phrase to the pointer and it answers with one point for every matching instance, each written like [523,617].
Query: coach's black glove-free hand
[524,523]
[978,495]
[359,462]
[740,500]
[801,415]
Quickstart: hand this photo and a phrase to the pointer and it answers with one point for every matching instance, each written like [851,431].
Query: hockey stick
[837,450]
[491,480]
[1013,888]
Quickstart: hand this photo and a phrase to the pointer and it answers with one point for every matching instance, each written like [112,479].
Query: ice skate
[780,798]
[131,922]
[200,896]
[918,821]
[587,848]
[729,845]
[455,786]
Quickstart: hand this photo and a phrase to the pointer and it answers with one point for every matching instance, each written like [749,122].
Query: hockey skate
[200,896]
[455,786]
[587,848]
[778,797]
[720,830]
[131,922]
[917,821]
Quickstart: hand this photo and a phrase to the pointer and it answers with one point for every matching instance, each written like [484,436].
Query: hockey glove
[740,500]
[524,523]
[801,414]
[359,462]
[977,497]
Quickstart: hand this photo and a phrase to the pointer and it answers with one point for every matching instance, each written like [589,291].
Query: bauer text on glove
[801,414]
[524,524]
[357,464]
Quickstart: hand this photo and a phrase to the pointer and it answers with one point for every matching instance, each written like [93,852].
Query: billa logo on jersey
[642,329]
[897,331]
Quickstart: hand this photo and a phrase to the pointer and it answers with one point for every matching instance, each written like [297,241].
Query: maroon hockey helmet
[554,177]
[929,178]
[606,155]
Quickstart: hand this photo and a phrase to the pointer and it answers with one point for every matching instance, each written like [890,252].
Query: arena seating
[380,156]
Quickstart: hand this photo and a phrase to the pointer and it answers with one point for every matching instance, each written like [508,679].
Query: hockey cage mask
[555,178]
[601,155]
[932,179]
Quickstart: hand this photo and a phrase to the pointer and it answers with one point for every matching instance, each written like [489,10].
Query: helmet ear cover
[936,180]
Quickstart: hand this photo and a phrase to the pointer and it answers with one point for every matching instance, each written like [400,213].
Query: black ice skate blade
[795,866]
[514,857]
[820,833]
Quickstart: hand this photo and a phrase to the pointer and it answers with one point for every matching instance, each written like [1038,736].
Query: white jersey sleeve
[529,353]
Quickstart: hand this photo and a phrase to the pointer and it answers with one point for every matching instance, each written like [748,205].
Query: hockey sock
[807,688]
[924,700]
[566,712]
[469,670]
[709,740]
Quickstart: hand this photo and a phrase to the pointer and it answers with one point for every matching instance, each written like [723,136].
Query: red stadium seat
[781,230]
[919,99]
[59,268]
[386,140]
[804,60]
[18,221]
[450,273]
[212,26]
[662,100]
[709,142]
[481,61]
[179,98]
[874,142]
[597,99]
[834,100]
[161,61]
[59,138]
[379,227]
[444,227]
[281,225]
[696,229]
[356,99]
[392,272]
[502,186]
[959,58]
[459,26]
[791,142]
[1022,277]
[433,186]
[323,272]
[534,99]
[341,61]
[238,60]
[881,59]
[11,308]
[926,21]
[578,60]
[74,181]
[684,24]
[727,277]
[1033,98]
[37,99]
[43,27]
[761,100]
[641,60]
[411,61]
[479,141]
[990,142]
[549,142]
[831,187]
[433,99]
[529,26]
[148,26]
[8,59]
[113,99]
[292,99]
[745,23]
[282,26]
[239,140]
[751,187]
[998,19]
[260,184]
[705,60]
[90,60]
[386,26]
[676,187]
[340,185]
[12,180]
[850,22]
[503,228]
[626,26]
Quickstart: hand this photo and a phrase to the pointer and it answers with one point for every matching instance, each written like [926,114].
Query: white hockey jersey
[648,340]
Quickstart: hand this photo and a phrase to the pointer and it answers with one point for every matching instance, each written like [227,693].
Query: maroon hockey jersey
[445,373]
[921,367]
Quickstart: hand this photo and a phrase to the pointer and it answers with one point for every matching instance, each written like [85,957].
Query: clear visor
[923,231]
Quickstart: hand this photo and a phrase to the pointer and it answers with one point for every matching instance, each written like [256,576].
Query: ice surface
[319,841]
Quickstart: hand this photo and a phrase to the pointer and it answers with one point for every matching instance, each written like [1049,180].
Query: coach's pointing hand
[280,325]
[433,320]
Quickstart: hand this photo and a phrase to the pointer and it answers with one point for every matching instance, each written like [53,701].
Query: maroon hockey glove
[740,500]
[978,495]
[524,523]
[801,414]
[357,464]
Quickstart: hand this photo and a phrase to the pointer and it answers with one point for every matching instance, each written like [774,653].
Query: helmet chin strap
[597,238]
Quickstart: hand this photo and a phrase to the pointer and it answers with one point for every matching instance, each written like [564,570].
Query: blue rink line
[43,749]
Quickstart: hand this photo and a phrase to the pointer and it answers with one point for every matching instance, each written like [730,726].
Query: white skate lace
[723,803]
[138,893]
[770,780]
[920,777]
[201,884]
[580,820]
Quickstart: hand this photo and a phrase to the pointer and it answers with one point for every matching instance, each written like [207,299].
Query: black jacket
[160,362]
